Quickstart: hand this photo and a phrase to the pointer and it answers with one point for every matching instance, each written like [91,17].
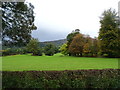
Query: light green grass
[56,62]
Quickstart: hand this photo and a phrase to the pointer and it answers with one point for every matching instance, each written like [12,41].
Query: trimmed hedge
[106,78]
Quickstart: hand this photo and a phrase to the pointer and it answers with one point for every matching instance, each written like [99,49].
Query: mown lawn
[56,62]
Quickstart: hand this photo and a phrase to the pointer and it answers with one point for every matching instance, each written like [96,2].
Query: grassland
[56,62]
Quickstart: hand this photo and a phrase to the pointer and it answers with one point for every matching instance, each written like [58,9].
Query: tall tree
[33,47]
[108,34]
[70,37]
[76,46]
[17,22]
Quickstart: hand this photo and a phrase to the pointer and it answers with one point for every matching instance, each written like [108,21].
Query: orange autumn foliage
[76,46]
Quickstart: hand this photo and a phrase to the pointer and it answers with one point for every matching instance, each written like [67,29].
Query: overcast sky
[56,18]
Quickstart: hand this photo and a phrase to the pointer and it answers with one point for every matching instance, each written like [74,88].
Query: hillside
[56,42]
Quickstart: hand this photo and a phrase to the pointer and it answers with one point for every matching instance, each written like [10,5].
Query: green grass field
[56,62]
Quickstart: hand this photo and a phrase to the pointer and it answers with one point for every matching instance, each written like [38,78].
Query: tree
[63,49]
[76,46]
[108,34]
[70,37]
[87,44]
[86,48]
[33,47]
[17,23]
[49,49]
[95,48]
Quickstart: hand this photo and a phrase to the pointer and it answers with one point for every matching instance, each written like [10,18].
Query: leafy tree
[76,46]
[95,47]
[63,49]
[87,44]
[108,34]
[70,37]
[17,23]
[33,47]
[86,48]
[49,49]
[56,49]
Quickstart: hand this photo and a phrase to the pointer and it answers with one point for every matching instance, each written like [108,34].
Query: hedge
[106,78]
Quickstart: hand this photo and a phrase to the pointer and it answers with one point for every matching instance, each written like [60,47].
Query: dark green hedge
[106,78]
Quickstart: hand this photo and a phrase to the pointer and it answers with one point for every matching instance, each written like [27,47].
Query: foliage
[56,49]
[33,47]
[63,49]
[95,47]
[80,45]
[76,46]
[106,78]
[49,49]
[17,23]
[14,51]
[71,35]
[108,34]
[37,52]
[105,55]
[87,45]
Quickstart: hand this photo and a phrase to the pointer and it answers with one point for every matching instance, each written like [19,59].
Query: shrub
[63,49]
[13,51]
[105,55]
[24,50]
[49,49]
[90,55]
[33,47]
[38,52]
[3,52]
[99,54]
[106,78]
[9,51]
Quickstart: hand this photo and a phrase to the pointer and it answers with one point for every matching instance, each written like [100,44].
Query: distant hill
[56,42]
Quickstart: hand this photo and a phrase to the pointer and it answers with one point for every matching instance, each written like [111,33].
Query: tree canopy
[33,47]
[17,23]
[109,33]
[76,46]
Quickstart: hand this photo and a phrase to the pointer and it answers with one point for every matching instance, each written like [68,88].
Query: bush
[13,51]
[88,55]
[37,52]
[3,52]
[106,78]
[64,49]
[105,55]
[33,47]
[9,51]
[49,49]
[99,54]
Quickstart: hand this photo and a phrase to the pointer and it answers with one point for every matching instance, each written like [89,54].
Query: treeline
[107,44]
[32,48]
[80,45]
